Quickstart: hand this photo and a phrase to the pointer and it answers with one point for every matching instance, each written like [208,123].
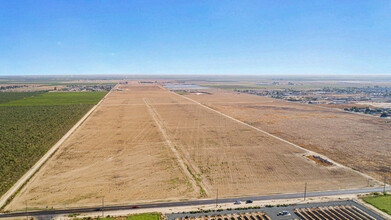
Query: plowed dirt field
[145,144]
[354,140]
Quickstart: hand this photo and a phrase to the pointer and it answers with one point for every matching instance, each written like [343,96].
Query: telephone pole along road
[192,203]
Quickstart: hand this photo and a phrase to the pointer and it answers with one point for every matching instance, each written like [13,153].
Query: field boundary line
[181,161]
[281,139]
[30,173]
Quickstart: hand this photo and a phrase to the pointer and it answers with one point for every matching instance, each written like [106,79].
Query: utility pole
[305,190]
[103,207]
[384,186]
[217,197]
[27,214]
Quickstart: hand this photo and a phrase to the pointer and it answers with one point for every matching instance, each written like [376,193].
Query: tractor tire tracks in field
[280,139]
[197,185]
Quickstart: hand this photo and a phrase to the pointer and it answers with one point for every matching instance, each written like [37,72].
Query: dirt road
[38,165]
[353,140]
[145,144]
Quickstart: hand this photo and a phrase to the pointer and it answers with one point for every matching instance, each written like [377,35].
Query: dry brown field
[146,144]
[357,141]
[118,153]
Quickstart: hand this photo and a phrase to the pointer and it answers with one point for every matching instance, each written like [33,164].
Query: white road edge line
[48,154]
[283,140]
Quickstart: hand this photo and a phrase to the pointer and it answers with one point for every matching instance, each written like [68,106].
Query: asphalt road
[191,203]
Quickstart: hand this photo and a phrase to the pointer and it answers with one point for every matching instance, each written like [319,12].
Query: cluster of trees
[368,110]
[27,132]
[12,87]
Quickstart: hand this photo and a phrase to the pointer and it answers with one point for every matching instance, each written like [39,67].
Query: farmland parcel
[382,202]
[144,143]
[29,129]
[6,97]
[357,141]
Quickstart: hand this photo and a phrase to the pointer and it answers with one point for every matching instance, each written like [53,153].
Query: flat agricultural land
[57,98]
[382,202]
[146,144]
[357,141]
[6,97]
[118,153]
[30,124]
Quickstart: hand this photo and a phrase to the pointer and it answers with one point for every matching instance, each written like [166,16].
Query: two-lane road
[191,203]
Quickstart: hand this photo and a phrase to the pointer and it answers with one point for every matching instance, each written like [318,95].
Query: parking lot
[328,210]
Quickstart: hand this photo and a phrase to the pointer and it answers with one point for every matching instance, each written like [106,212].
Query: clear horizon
[195,38]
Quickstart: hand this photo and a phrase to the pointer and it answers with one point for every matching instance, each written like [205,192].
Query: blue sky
[195,37]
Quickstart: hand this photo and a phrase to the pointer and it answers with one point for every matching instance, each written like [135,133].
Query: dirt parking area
[357,141]
[146,144]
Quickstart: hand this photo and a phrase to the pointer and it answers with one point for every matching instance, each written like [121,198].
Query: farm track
[184,165]
[239,170]
[281,139]
[118,153]
[50,152]
[138,145]
[350,139]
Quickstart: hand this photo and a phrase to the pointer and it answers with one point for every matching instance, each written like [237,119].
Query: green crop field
[59,98]
[31,123]
[27,132]
[382,202]
[11,96]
